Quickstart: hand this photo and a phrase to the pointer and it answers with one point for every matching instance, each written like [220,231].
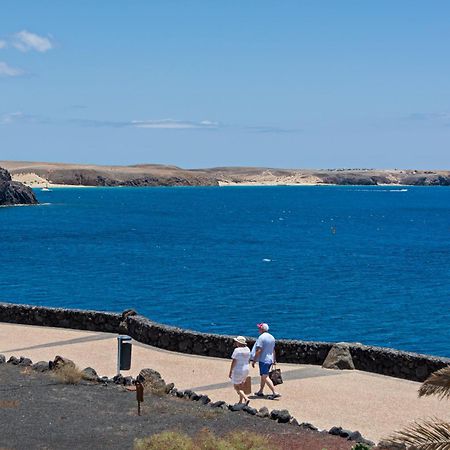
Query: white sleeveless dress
[241,368]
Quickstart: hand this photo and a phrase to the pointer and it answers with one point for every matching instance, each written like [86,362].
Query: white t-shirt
[242,357]
[266,342]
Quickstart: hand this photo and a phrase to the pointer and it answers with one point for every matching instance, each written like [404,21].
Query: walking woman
[240,367]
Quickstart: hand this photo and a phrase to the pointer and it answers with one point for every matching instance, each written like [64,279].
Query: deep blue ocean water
[357,264]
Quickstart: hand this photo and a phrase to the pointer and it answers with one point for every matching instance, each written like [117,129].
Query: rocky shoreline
[36,174]
[13,192]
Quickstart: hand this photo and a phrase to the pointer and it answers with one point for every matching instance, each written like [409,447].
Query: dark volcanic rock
[13,360]
[248,409]
[387,445]
[13,193]
[357,437]
[349,179]
[308,426]
[41,366]
[25,362]
[204,399]
[274,414]
[217,404]
[284,416]
[237,407]
[22,361]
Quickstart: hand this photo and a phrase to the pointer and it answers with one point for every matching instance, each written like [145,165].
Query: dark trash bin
[123,353]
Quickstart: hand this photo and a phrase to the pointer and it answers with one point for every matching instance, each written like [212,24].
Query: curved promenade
[373,404]
[359,400]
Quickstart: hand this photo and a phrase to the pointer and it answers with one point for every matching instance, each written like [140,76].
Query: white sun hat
[240,340]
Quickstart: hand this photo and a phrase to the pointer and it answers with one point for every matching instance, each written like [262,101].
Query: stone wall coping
[382,360]
[51,309]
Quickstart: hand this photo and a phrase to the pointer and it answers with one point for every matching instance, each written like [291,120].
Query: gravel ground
[38,412]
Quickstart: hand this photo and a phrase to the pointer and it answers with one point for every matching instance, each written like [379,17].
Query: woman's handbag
[275,376]
[247,386]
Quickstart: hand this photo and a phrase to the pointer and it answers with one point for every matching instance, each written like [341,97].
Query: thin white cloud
[437,116]
[173,124]
[8,118]
[3,44]
[161,124]
[9,71]
[270,129]
[25,41]
[20,117]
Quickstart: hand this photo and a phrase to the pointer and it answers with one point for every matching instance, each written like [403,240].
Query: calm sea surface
[359,264]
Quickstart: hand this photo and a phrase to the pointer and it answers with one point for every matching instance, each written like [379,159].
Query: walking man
[264,354]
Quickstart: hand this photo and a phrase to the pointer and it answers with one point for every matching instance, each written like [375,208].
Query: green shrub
[360,446]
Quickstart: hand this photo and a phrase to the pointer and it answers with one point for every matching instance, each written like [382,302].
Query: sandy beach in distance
[35,181]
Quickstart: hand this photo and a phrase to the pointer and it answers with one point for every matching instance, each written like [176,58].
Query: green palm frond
[438,383]
[433,434]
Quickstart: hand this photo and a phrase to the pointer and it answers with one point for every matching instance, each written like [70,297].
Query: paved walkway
[373,404]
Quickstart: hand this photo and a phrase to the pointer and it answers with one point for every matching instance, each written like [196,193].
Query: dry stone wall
[380,360]
[60,317]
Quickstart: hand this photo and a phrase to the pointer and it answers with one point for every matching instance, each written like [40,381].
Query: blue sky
[209,83]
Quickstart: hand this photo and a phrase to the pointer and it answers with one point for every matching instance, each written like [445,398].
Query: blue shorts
[264,368]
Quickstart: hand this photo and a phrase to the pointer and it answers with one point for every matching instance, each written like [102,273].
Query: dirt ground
[38,412]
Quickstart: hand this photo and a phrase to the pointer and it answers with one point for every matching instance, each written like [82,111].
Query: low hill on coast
[37,174]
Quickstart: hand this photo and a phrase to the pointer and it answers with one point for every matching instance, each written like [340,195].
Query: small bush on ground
[241,440]
[167,440]
[360,446]
[68,374]
[205,440]
[208,441]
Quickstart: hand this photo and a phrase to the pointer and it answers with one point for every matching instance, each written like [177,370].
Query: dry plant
[167,440]
[68,374]
[438,383]
[242,440]
[205,440]
[209,413]
[159,391]
[432,434]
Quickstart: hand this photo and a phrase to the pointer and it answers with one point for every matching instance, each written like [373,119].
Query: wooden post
[139,395]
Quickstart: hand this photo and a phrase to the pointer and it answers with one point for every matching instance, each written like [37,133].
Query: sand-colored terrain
[41,174]
[35,181]
[373,404]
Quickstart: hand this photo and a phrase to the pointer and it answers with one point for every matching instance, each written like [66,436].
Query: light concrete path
[373,404]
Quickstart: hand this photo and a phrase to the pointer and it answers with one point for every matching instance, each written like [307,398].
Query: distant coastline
[55,175]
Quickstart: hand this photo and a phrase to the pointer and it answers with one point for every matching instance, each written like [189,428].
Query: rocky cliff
[40,174]
[13,193]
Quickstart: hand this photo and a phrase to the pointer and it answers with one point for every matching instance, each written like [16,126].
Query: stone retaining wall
[385,361]
[60,317]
